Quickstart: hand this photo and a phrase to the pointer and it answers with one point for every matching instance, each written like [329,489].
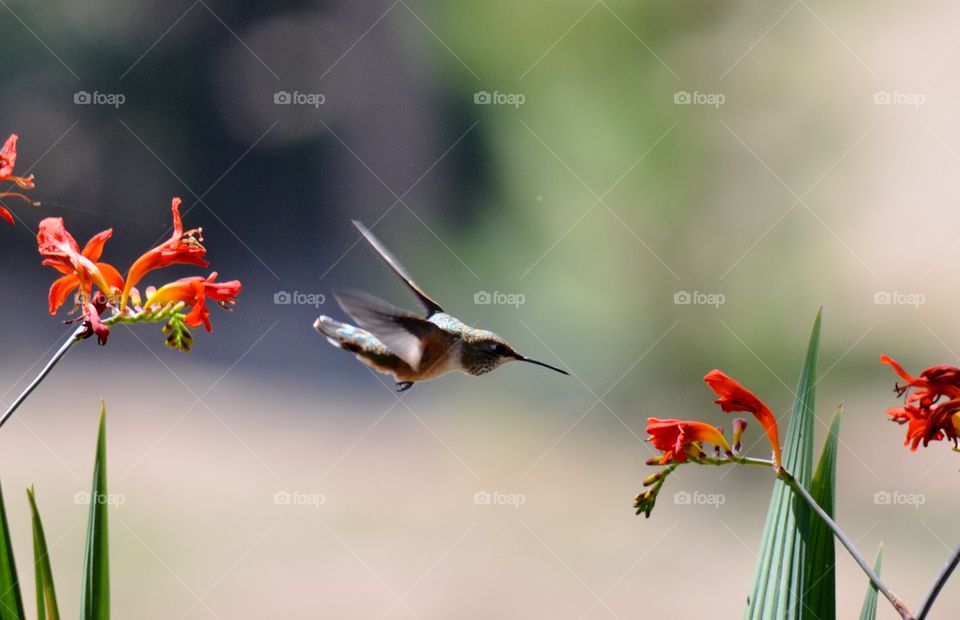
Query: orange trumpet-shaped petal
[80,268]
[933,382]
[183,247]
[674,437]
[194,292]
[735,397]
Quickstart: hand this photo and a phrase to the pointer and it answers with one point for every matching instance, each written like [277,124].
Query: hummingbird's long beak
[539,363]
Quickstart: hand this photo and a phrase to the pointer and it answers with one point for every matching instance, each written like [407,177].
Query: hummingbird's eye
[498,349]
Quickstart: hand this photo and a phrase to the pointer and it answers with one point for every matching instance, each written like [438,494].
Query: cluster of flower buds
[103,297]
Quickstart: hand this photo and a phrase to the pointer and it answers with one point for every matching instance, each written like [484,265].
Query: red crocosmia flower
[183,247]
[675,437]
[194,292]
[735,397]
[932,411]
[81,268]
[8,157]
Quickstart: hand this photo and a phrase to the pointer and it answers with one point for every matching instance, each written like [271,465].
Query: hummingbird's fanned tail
[391,261]
[404,333]
[338,334]
[364,345]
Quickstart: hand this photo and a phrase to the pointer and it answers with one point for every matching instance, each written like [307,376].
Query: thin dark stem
[798,488]
[939,582]
[72,340]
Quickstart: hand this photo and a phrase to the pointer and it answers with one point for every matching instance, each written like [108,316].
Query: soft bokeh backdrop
[601,161]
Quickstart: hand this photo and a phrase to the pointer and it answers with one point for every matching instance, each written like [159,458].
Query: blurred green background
[669,188]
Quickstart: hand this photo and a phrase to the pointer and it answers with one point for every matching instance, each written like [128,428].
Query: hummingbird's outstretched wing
[391,261]
[404,333]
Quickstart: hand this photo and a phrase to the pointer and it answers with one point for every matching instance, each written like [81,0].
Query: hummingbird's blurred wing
[404,333]
[391,261]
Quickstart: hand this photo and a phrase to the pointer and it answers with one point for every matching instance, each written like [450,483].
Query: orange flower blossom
[678,439]
[735,397]
[83,271]
[932,411]
[81,268]
[194,292]
[181,248]
[8,157]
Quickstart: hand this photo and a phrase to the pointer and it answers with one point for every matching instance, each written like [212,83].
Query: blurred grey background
[666,188]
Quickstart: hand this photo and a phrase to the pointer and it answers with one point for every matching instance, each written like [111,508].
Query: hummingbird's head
[483,351]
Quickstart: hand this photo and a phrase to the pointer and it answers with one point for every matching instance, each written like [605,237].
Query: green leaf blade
[47,608]
[820,594]
[778,582]
[11,605]
[95,591]
[869,610]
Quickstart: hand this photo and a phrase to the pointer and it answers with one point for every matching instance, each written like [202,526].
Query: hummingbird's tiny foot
[403,386]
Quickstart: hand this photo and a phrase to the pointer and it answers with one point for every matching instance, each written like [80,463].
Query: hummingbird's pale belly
[440,354]
[438,359]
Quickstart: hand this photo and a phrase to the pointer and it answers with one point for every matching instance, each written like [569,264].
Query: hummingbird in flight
[409,346]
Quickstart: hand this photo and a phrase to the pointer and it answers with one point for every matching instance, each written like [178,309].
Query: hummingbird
[408,346]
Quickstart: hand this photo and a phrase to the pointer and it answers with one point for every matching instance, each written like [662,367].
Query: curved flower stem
[939,582]
[74,338]
[799,490]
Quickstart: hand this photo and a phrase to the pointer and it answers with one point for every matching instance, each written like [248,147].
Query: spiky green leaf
[778,582]
[11,605]
[95,590]
[47,608]
[869,610]
[820,593]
